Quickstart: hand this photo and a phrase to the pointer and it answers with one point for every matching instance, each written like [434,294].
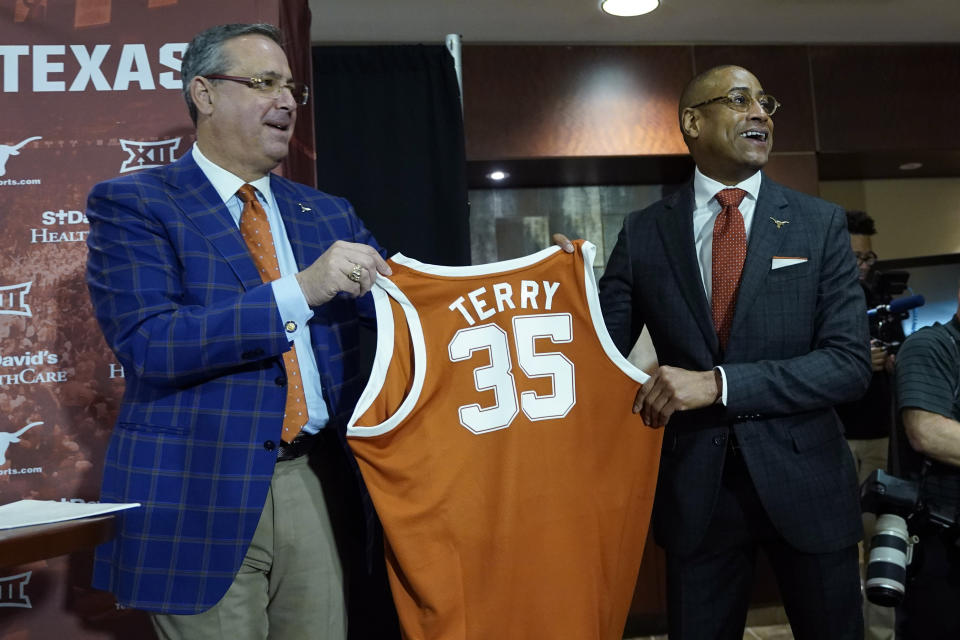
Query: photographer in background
[867,422]
[928,379]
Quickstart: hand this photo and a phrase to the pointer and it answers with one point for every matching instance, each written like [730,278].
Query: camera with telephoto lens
[901,507]
[886,318]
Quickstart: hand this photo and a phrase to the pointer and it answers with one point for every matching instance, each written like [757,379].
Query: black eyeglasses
[868,258]
[739,101]
[269,86]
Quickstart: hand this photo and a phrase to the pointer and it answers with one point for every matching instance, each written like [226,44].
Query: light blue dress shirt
[286,290]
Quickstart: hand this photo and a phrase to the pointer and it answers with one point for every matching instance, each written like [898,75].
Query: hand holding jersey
[349,267]
[669,389]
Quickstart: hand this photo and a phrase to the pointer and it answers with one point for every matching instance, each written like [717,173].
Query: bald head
[698,89]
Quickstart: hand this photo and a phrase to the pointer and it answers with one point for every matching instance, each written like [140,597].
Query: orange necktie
[729,252]
[255,229]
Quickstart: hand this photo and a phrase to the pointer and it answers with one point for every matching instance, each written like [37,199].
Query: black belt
[301,445]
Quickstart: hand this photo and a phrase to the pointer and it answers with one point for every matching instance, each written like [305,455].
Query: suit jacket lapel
[676,229]
[200,203]
[298,218]
[765,240]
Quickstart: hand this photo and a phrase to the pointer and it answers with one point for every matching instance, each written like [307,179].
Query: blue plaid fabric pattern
[200,338]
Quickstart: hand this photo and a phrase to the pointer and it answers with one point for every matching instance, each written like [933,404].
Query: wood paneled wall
[874,98]
[840,103]
[561,101]
[558,101]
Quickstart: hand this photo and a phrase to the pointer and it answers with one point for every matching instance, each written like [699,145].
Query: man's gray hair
[205,54]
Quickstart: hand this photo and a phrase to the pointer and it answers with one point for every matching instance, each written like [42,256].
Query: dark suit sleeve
[361,234]
[140,284]
[837,367]
[623,320]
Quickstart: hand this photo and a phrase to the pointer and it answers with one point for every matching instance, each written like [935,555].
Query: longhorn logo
[6,439]
[7,150]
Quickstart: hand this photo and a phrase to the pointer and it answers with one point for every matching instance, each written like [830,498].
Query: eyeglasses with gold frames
[269,86]
[740,101]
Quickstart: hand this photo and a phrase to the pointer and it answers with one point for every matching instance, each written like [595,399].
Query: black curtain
[389,132]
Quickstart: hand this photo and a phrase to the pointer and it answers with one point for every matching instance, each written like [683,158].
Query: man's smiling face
[728,145]
[251,130]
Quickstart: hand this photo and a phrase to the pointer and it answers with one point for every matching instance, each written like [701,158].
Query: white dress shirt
[705,212]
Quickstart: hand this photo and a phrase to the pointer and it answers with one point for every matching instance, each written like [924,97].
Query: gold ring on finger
[355,273]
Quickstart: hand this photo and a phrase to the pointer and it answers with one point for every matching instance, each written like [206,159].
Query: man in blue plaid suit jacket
[753,452]
[232,541]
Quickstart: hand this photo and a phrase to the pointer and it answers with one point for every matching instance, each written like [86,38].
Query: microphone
[898,305]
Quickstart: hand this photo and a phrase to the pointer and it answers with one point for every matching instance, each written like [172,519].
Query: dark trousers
[931,606]
[708,591]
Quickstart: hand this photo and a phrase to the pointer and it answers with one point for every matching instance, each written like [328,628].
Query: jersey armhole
[589,251]
[383,291]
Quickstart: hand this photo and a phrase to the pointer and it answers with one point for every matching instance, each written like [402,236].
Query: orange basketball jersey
[497,440]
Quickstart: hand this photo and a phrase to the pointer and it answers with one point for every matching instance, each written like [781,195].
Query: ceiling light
[627,8]
[498,175]
[910,166]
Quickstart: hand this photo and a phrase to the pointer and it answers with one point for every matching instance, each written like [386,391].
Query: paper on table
[25,513]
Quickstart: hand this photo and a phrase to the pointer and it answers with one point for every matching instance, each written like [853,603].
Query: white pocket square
[780,263]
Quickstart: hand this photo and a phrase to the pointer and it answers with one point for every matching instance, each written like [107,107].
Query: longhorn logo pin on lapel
[779,223]
[303,209]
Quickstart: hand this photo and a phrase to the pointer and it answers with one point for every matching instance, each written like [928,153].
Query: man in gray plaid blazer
[753,453]
[234,539]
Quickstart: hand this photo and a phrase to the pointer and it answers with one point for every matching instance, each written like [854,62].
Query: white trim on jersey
[593,300]
[477,269]
[384,289]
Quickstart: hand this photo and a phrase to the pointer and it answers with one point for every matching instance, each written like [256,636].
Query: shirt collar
[225,182]
[704,188]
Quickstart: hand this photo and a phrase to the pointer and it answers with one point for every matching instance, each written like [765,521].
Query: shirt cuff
[292,305]
[723,392]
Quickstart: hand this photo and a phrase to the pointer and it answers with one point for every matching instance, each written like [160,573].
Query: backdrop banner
[90,90]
